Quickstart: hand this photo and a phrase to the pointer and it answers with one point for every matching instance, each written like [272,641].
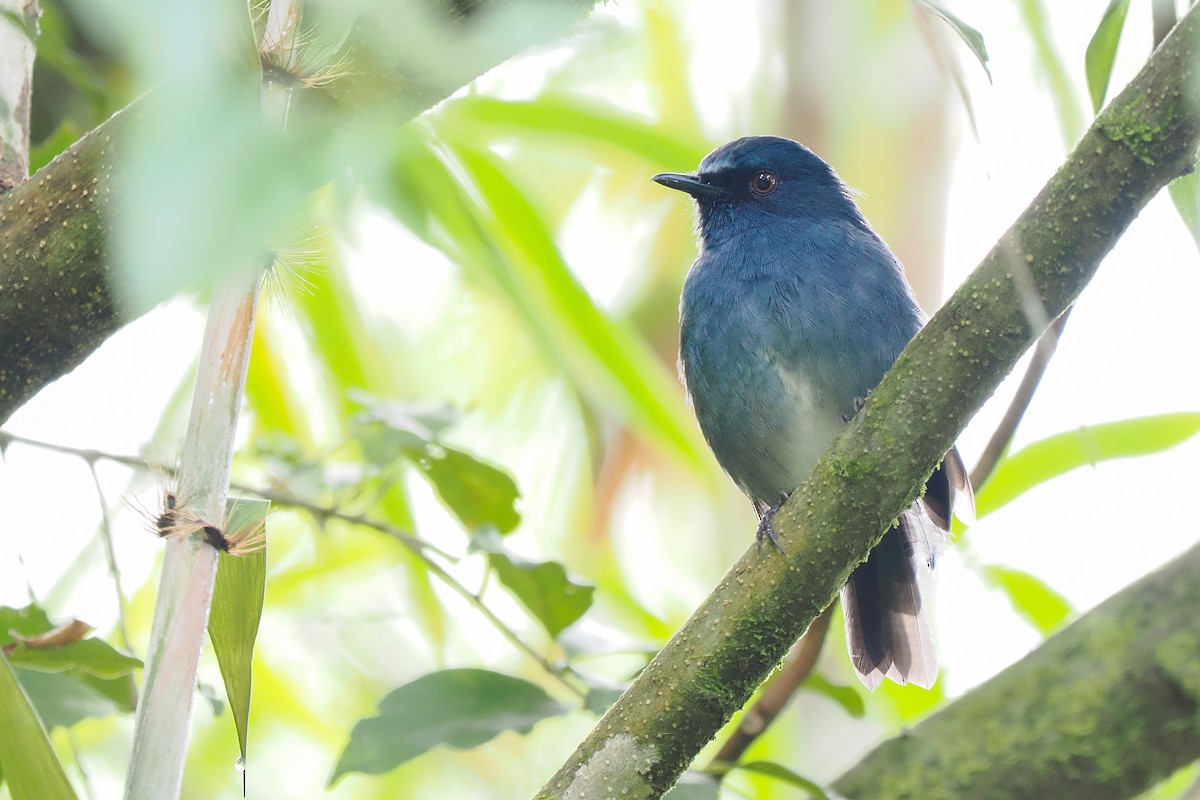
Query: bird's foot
[859,402]
[766,517]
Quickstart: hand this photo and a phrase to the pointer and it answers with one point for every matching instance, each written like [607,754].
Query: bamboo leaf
[1185,194]
[604,358]
[1039,462]
[30,766]
[972,37]
[782,773]
[236,611]
[845,696]
[1041,606]
[1102,51]
[460,708]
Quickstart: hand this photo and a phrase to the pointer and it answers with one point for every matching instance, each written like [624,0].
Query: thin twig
[777,691]
[110,553]
[1003,434]
[419,547]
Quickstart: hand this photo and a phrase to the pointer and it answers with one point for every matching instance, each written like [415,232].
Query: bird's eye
[763,183]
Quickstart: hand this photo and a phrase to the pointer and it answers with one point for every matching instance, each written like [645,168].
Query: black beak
[690,184]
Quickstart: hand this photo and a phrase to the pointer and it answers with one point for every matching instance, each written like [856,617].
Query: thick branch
[1147,137]
[1104,709]
[57,303]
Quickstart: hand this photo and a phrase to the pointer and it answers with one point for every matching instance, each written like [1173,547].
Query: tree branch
[1104,709]
[1147,136]
[57,303]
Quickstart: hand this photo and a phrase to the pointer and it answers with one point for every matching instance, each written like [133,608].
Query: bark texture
[1144,139]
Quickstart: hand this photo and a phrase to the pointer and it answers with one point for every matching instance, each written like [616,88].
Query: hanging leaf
[479,494]
[1041,606]
[1102,51]
[543,588]
[845,696]
[1185,194]
[461,708]
[782,773]
[30,766]
[236,611]
[1039,462]
[972,37]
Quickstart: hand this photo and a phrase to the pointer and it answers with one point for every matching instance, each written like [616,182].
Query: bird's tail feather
[887,623]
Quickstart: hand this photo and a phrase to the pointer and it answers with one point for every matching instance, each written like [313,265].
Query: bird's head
[756,178]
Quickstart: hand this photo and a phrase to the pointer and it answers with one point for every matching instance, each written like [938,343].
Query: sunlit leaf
[236,611]
[478,493]
[460,708]
[1039,462]
[31,768]
[782,773]
[1041,606]
[1033,12]
[604,358]
[972,37]
[93,656]
[542,587]
[847,697]
[1102,51]
[573,122]
[1185,194]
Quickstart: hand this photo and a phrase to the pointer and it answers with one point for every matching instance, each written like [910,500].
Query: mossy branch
[1147,137]
[1103,710]
[57,300]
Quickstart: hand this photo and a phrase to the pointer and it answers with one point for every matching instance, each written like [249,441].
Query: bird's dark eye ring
[763,183]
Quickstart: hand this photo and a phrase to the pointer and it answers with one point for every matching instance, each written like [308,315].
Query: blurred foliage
[461,399]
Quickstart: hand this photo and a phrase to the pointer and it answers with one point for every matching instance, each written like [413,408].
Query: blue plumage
[791,314]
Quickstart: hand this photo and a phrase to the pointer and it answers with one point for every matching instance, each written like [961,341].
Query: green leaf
[1102,51]
[972,37]
[694,786]
[30,765]
[92,656]
[461,708]
[65,698]
[605,359]
[1185,194]
[236,611]
[570,119]
[845,696]
[1039,462]
[544,589]
[1041,606]
[479,494]
[1070,119]
[782,773]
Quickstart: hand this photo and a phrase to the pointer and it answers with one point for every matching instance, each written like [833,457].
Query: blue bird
[791,314]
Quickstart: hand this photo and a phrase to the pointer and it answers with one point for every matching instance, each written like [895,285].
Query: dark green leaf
[782,773]
[544,589]
[1041,606]
[65,698]
[845,696]
[972,37]
[1185,194]
[458,707]
[1102,51]
[1039,462]
[479,494]
[236,611]
[93,656]
[31,768]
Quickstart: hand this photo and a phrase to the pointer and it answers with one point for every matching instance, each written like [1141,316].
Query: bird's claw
[858,404]
[765,527]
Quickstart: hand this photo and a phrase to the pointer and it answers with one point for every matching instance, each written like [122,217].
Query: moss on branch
[713,664]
